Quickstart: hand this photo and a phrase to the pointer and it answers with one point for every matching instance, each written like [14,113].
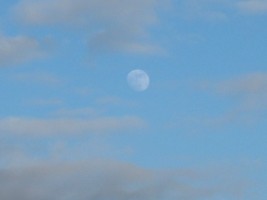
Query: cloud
[87,12]
[46,102]
[250,90]
[218,10]
[47,127]
[121,40]
[248,84]
[77,112]
[113,180]
[204,9]
[14,50]
[37,77]
[247,94]
[113,25]
[253,6]
[115,101]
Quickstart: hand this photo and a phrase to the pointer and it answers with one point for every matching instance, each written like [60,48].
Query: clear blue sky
[72,128]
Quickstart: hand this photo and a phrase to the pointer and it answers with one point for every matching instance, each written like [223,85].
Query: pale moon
[138,80]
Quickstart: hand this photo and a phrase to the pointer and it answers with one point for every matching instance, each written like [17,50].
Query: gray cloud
[18,49]
[248,94]
[101,180]
[37,78]
[219,9]
[204,9]
[77,112]
[248,84]
[44,127]
[253,6]
[115,24]
[45,102]
[134,14]
[115,101]
[250,91]
[121,40]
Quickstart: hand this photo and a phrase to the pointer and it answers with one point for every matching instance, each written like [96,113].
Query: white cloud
[116,24]
[44,127]
[18,49]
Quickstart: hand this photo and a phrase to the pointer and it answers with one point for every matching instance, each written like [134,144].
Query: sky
[72,128]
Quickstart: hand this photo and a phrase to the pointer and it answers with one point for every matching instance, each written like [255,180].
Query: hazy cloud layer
[123,26]
[78,112]
[37,78]
[115,24]
[248,84]
[45,102]
[219,9]
[203,9]
[134,14]
[18,49]
[109,180]
[37,127]
[249,92]
[115,101]
[253,6]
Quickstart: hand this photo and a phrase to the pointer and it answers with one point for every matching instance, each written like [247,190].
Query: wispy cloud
[247,84]
[116,24]
[115,101]
[248,91]
[121,40]
[43,78]
[218,10]
[46,102]
[77,112]
[81,11]
[102,179]
[14,50]
[253,6]
[68,126]
[204,9]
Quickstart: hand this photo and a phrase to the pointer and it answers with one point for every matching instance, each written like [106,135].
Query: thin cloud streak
[18,49]
[77,112]
[114,25]
[43,78]
[219,10]
[248,93]
[248,84]
[106,179]
[253,6]
[69,126]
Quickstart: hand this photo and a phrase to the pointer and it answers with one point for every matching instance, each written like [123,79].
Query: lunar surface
[138,80]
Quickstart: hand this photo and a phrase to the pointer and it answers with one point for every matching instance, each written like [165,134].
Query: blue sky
[72,128]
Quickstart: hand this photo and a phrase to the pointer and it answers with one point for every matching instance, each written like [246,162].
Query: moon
[138,80]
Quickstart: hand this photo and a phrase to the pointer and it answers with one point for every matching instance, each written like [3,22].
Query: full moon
[138,80]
